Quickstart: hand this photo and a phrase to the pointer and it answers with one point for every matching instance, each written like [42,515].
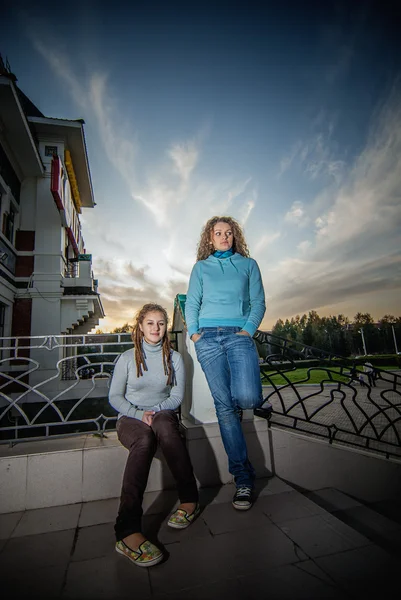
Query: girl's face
[153,327]
[222,236]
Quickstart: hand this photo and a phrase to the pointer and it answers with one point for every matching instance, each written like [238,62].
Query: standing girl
[225,305]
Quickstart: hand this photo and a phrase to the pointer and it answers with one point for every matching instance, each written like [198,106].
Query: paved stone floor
[285,547]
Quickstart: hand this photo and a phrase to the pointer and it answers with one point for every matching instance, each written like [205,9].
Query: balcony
[78,275]
[325,524]
[81,305]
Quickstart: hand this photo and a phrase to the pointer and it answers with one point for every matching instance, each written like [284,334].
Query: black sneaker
[240,413]
[265,411]
[243,498]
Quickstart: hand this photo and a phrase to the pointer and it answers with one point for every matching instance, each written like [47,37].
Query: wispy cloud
[357,241]
[125,288]
[120,149]
[266,240]
[93,92]
[161,190]
[304,246]
[347,238]
[177,199]
[316,156]
[296,215]
[323,222]
[287,161]
[341,64]
[247,207]
[60,65]
[185,157]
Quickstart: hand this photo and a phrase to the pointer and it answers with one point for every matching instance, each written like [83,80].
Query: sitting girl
[147,386]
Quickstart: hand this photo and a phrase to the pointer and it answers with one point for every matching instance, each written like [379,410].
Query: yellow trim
[73,180]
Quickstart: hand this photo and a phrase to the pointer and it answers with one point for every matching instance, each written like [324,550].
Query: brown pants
[142,441]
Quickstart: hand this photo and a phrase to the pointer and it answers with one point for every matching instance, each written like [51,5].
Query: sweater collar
[213,258]
[149,348]
[223,254]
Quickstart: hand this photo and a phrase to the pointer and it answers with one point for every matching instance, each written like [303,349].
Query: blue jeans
[231,366]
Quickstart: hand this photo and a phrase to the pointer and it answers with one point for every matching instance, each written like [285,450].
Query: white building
[46,280]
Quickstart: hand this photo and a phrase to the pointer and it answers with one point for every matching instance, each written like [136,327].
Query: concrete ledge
[313,464]
[86,468]
[65,471]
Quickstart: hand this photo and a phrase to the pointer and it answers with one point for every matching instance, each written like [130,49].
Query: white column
[198,405]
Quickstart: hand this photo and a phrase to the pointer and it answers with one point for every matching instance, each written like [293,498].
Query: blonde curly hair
[205,248]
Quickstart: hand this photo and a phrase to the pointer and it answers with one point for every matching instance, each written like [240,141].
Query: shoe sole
[237,507]
[176,526]
[149,563]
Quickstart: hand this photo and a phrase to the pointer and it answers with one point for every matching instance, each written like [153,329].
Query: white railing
[57,385]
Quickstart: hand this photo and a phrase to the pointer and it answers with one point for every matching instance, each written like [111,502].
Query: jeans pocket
[245,337]
[199,339]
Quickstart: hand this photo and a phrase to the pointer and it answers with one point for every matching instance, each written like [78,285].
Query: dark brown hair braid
[137,338]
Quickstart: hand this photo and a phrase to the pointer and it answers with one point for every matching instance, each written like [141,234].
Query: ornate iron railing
[340,407]
[58,385]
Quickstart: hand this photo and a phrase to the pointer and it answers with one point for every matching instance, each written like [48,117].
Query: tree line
[126,328]
[339,335]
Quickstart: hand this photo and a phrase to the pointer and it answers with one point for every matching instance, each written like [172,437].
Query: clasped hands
[148,417]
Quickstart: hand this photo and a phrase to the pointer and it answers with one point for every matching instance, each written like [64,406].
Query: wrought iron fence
[58,385]
[325,395]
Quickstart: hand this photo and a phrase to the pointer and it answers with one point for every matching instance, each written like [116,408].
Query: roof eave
[73,134]
[15,128]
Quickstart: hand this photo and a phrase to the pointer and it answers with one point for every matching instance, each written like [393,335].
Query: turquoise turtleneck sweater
[225,292]
[131,396]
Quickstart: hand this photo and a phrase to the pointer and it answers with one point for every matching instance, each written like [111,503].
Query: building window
[3,353]
[4,225]
[9,175]
[8,224]
[51,150]
[3,309]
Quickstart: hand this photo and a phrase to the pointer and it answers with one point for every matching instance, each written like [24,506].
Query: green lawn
[315,375]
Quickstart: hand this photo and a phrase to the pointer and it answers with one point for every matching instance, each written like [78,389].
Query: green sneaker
[180,519]
[147,554]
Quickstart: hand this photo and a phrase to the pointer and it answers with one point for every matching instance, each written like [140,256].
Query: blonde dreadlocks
[137,338]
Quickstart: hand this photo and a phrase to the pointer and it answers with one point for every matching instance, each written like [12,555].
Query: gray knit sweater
[131,395]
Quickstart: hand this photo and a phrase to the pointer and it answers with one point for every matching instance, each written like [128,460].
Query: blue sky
[286,117]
